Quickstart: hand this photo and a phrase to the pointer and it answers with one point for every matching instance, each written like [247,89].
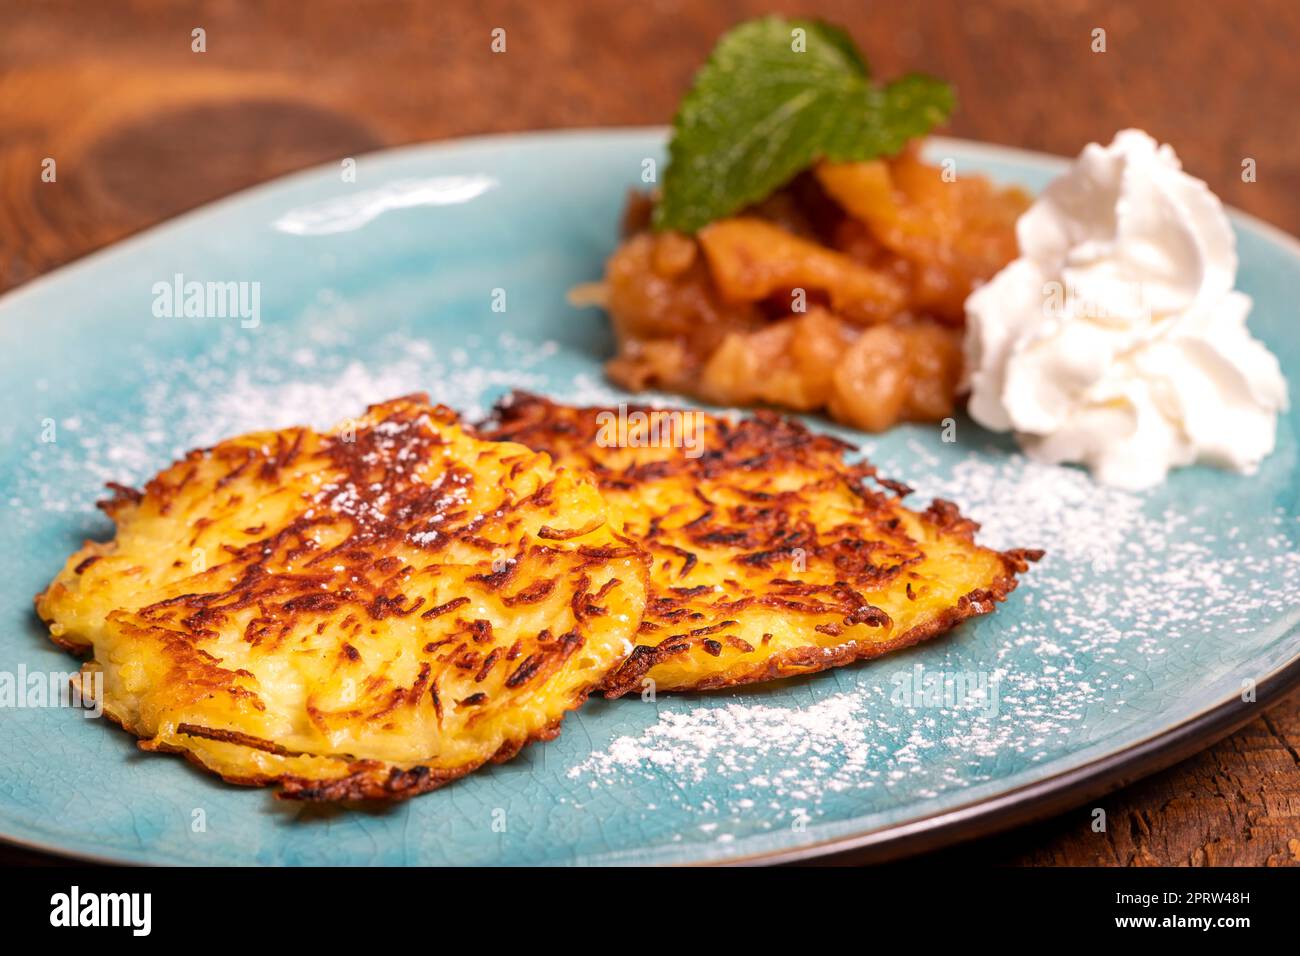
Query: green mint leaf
[903,110]
[760,111]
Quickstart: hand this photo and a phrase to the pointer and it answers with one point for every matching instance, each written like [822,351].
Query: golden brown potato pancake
[771,556]
[363,614]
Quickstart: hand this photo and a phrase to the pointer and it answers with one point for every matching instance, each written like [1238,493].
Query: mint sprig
[760,111]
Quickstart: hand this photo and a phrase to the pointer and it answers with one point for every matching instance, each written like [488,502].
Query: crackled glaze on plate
[1149,611]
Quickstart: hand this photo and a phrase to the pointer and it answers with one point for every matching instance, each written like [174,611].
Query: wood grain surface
[141,127]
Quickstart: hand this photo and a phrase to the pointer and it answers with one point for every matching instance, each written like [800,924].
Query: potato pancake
[771,555]
[361,614]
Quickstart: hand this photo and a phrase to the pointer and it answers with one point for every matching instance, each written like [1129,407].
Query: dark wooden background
[142,128]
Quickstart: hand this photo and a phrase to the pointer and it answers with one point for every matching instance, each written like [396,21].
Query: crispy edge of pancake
[342,780]
[521,416]
[241,758]
[812,658]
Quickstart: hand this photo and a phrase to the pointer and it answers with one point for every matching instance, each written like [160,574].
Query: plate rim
[981,817]
[992,151]
[1034,801]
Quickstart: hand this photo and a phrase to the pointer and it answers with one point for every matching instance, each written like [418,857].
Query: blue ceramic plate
[1129,645]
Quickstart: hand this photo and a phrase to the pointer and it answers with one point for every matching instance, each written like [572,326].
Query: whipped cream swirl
[1117,339]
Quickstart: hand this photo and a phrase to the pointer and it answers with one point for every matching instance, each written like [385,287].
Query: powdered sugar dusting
[232,389]
[1130,587]
[1140,599]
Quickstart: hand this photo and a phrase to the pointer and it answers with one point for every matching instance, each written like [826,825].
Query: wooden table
[141,127]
